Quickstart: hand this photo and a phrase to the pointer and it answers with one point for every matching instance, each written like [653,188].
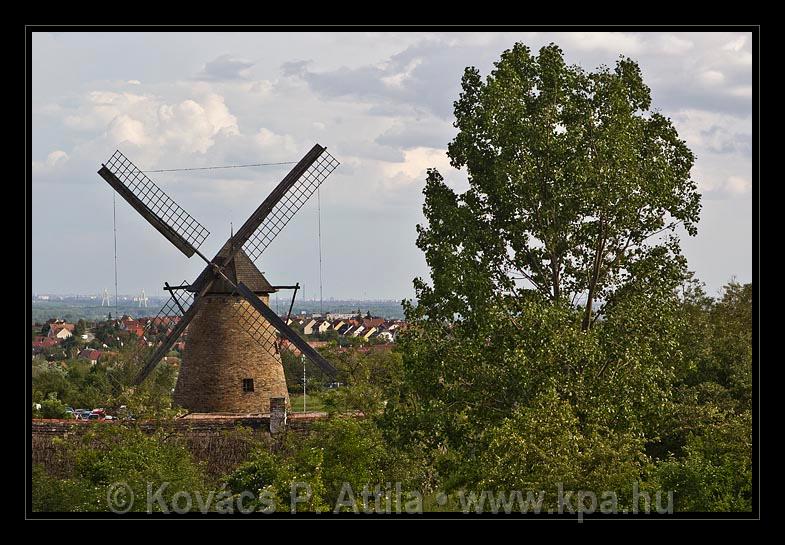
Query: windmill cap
[240,269]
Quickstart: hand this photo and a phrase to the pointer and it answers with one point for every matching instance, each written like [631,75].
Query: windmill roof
[241,269]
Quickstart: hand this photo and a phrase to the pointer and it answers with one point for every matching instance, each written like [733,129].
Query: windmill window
[247,385]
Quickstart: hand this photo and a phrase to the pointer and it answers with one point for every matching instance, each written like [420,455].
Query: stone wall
[222,350]
[216,440]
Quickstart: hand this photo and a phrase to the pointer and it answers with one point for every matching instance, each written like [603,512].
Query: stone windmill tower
[231,362]
[224,368]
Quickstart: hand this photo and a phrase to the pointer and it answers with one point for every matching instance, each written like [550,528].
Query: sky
[380,102]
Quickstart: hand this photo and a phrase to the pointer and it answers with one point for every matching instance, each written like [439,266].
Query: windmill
[226,308]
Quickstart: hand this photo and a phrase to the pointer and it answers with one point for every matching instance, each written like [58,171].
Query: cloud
[675,45]
[736,44]
[225,67]
[712,77]
[53,160]
[730,187]
[409,134]
[383,105]
[141,120]
[614,42]
[425,76]
[125,128]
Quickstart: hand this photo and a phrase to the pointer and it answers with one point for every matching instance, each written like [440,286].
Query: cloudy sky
[380,102]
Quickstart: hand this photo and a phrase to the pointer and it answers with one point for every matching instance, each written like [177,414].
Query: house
[159,321]
[40,343]
[127,321]
[337,316]
[324,326]
[132,326]
[136,329]
[91,355]
[60,330]
[359,329]
[368,332]
[373,322]
[346,330]
[308,329]
[338,324]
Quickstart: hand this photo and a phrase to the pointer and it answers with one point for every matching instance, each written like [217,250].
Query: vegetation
[119,454]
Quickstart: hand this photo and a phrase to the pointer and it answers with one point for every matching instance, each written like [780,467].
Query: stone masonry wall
[220,352]
[216,441]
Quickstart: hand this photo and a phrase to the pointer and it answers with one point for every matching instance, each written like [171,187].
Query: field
[312,403]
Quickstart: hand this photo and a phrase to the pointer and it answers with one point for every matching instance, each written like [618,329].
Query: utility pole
[303,358]
[114,228]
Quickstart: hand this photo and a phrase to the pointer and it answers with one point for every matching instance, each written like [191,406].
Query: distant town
[93,340]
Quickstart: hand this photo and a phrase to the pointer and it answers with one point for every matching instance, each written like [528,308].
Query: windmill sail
[294,198]
[153,204]
[166,329]
[274,213]
[259,325]
[252,238]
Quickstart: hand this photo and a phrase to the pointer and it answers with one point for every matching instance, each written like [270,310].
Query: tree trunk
[586,325]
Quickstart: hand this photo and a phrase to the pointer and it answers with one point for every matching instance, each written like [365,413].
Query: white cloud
[737,185]
[415,164]
[675,45]
[125,128]
[615,42]
[276,145]
[712,77]
[736,44]
[53,160]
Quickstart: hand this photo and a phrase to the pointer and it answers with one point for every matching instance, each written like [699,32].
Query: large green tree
[572,175]
[575,190]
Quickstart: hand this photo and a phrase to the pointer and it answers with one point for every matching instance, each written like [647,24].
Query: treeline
[502,409]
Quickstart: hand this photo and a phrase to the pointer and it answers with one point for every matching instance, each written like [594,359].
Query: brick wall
[214,440]
[220,353]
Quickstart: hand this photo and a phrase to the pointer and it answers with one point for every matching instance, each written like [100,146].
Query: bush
[52,407]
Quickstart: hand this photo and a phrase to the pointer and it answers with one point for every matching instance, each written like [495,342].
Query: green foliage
[369,379]
[273,479]
[52,407]
[79,384]
[525,385]
[716,472]
[570,173]
[111,454]
[353,451]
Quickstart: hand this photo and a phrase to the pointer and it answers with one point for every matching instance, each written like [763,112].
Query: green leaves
[570,176]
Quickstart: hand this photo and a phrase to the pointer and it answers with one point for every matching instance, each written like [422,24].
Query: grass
[312,403]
